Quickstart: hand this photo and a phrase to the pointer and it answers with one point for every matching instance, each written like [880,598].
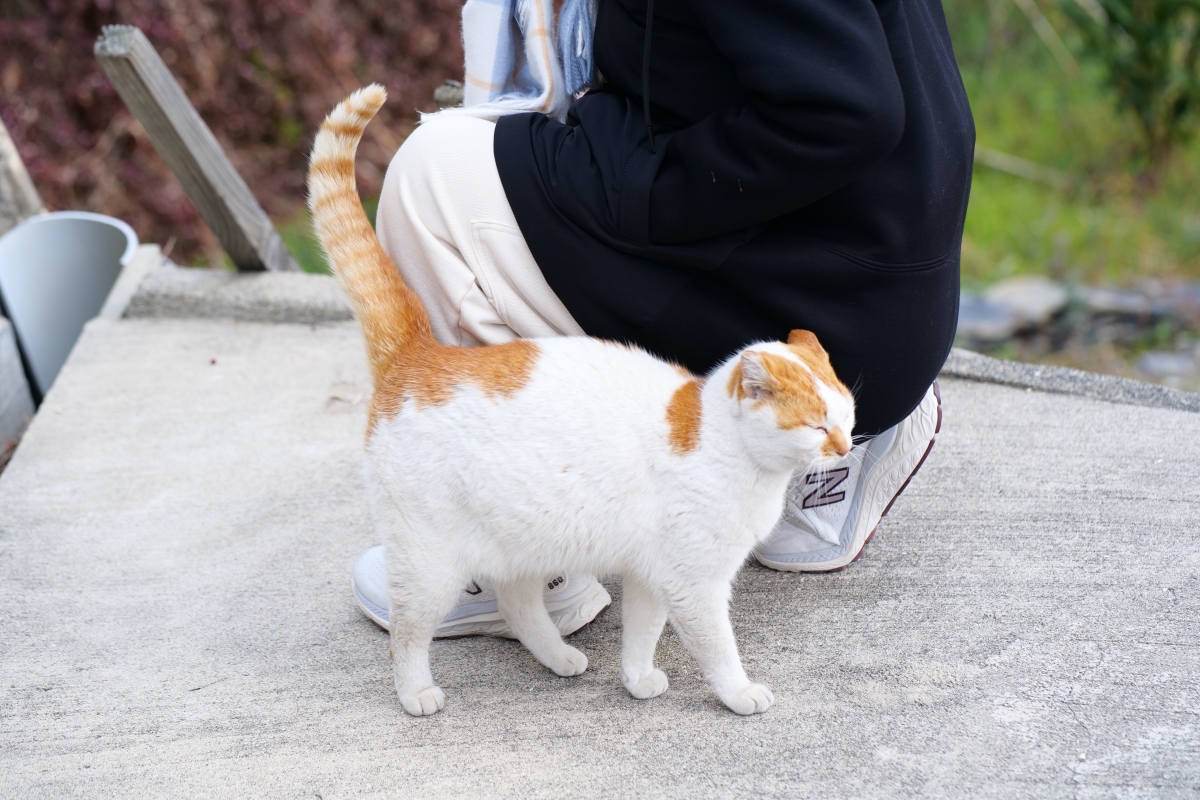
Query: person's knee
[441,142]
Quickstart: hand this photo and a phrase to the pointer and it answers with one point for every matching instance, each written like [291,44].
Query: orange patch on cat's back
[429,373]
[683,416]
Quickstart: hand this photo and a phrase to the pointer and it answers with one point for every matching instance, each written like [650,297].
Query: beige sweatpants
[444,219]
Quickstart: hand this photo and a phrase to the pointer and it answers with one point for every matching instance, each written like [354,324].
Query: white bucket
[55,272]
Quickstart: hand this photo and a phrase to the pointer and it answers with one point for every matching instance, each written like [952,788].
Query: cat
[520,460]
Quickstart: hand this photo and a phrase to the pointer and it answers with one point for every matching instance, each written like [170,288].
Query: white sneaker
[572,600]
[830,515]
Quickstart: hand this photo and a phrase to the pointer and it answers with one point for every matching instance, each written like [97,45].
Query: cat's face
[794,411]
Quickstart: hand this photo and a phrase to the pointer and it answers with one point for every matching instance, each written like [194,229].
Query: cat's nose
[836,443]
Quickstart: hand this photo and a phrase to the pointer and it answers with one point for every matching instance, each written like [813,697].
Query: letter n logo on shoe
[824,494]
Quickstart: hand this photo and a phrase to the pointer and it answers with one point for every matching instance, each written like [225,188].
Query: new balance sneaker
[830,515]
[572,600]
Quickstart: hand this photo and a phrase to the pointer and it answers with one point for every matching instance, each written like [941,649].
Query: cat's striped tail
[390,313]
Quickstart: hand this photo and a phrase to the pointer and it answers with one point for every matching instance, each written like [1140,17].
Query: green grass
[297,235]
[1016,226]
[1106,227]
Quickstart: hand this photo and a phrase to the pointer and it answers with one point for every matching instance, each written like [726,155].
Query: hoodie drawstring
[646,74]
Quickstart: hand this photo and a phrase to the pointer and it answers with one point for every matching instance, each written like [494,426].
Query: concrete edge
[1063,380]
[172,292]
[146,259]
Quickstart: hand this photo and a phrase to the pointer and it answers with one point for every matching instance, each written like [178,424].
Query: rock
[1162,364]
[1108,300]
[985,321]
[1034,299]
[1175,299]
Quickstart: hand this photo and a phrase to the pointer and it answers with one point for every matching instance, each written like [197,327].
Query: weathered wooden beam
[18,197]
[190,150]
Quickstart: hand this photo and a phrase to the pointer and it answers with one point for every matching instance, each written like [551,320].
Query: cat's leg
[419,601]
[521,604]
[701,618]
[642,619]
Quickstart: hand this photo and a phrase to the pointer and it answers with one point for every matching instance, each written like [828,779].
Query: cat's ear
[757,380]
[805,339]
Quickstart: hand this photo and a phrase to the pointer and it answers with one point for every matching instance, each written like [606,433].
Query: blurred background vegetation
[1103,212]
[1086,170]
[262,74]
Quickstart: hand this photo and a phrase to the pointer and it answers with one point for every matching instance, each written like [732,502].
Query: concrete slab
[176,537]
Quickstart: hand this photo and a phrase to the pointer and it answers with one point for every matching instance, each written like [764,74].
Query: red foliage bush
[262,73]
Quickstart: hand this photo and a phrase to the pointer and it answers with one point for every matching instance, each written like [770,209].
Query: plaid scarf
[516,63]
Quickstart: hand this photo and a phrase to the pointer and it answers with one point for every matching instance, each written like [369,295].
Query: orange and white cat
[525,459]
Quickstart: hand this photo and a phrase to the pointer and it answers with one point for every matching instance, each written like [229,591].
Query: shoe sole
[569,615]
[857,548]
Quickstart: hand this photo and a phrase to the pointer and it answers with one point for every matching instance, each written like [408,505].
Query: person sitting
[691,176]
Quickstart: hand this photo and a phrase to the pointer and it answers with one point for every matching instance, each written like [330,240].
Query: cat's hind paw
[652,685]
[753,698]
[425,702]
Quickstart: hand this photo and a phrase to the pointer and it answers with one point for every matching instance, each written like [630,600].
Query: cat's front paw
[753,698]
[425,702]
[652,685]
[567,662]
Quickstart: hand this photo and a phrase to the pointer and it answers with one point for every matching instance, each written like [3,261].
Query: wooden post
[190,150]
[18,197]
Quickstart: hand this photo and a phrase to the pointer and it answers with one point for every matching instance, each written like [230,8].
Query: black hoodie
[810,168]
